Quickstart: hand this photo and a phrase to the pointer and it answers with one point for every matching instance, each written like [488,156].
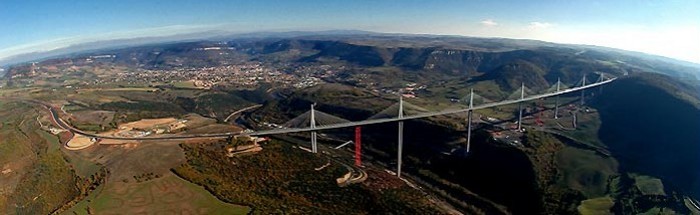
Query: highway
[241,111]
[64,125]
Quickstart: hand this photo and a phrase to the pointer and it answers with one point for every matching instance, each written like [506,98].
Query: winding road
[242,110]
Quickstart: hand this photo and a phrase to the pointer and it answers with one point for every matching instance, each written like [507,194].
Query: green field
[587,130]
[586,171]
[597,206]
[82,166]
[51,140]
[185,84]
[649,185]
[165,195]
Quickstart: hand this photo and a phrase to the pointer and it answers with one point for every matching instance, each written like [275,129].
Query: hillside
[443,54]
[650,124]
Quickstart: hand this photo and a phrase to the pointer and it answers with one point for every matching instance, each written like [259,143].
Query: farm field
[139,182]
[596,206]
[168,194]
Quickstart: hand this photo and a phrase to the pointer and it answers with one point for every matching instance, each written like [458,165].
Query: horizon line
[195,34]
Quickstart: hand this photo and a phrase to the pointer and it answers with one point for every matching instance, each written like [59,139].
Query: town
[246,75]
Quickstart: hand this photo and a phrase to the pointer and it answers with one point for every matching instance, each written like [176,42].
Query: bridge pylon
[556,100]
[399,110]
[314,143]
[469,119]
[601,78]
[400,139]
[520,106]
[313,118]
[583,91]
[358,146]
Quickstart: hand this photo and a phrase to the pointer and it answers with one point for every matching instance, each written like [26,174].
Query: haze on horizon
[666,28]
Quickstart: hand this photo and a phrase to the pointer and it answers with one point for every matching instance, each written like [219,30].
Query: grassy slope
[585,170]
[647,136]
[542,148]
[51,185]
[46,184]
[83,167]
[129,190]
[15,153]
[167,194]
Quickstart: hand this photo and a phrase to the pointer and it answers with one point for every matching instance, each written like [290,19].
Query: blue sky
[669,28]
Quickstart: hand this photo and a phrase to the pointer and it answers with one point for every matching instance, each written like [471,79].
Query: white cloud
[539,25]
[488,22]
[49,45]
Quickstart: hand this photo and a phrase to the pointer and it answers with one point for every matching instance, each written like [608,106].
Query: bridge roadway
[64,125]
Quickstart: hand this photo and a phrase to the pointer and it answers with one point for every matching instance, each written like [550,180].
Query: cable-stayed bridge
[313,120]
[427,114]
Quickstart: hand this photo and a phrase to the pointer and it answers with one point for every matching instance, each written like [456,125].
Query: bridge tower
[520,106]
[400,140]
[556,100]
[601,78]
[314,146]
[469,119]
[311,120]
[583,91]
[398,112]
[358,146]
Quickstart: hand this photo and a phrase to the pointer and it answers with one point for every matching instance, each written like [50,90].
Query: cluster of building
[410,90]
[238,75]
[244,75]
[251,145]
